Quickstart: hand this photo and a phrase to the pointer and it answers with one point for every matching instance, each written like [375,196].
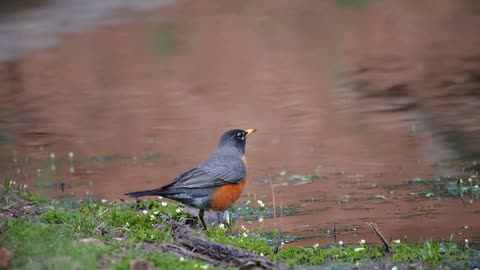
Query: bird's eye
[241,136]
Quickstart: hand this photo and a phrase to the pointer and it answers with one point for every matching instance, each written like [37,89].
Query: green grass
[82,235]
[46,246]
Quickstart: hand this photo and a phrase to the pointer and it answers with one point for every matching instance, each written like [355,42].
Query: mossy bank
[43,234]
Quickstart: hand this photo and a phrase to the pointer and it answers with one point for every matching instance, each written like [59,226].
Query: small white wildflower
[261,203]
[397,241]
[179,210]
[164,203]
[25,186]
[152,236]
[476,186]
[260,219]
[394,268]
[70,155]
[359,249]
[127,224]
[245,234]
[243,228]
[357,263]
[261,254]
[182,259]
[282,243]
[104,200]
[340,243]
[354,229]
[466,240]
[315,246]
[221,226]
[362,242]
[152,217]
[205,266]
[144,212]
[156,213]
[72,169]
[52,155]
[470,179]
[53,167]
[160,197]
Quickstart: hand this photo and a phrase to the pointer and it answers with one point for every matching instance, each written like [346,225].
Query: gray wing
[215,171]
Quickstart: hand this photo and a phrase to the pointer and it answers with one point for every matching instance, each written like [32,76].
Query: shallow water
[348,99]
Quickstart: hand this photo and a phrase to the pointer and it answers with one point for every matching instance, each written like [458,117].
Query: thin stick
[273,194]
[375,228]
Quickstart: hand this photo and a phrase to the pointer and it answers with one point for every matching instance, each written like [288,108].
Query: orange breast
[227,195]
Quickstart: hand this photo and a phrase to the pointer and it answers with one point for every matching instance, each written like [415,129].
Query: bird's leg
[226,219]
[200,217]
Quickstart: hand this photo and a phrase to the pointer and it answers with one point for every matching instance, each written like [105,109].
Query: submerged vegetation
[92,234]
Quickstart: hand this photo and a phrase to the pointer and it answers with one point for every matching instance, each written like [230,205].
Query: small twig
[375,229]
[335,232]
[273,194]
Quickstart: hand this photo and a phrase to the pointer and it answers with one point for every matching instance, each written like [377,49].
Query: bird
[214,184]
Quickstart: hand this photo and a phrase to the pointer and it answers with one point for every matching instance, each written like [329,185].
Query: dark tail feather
[152,192]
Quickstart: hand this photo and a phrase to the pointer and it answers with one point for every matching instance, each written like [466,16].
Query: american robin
[215,183]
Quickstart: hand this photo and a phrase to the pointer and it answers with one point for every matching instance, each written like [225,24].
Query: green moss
[47,246]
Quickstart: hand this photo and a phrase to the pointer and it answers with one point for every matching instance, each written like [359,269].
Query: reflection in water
[349,103]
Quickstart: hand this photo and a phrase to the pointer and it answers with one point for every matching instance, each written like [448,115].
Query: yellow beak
[249,131]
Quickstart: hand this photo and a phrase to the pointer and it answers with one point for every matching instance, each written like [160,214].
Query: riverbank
[158,234]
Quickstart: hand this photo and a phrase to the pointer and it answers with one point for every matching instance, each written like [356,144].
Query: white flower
[164,203]
[127,224]
[315,246]
[396,241]
[144,212]
[261,254]
[182,259]
[52,155]
[394,268]
[340,243]
[261,203]
[179,210]
[221,226]
[160,197]
[359,249]
[25,186]
[70,155]
[152,217]
[282,243]
[156,213]
[204,266]
[104,200]
[260,219]
[243,228]
[362,242]
[466,240]
[245,234]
